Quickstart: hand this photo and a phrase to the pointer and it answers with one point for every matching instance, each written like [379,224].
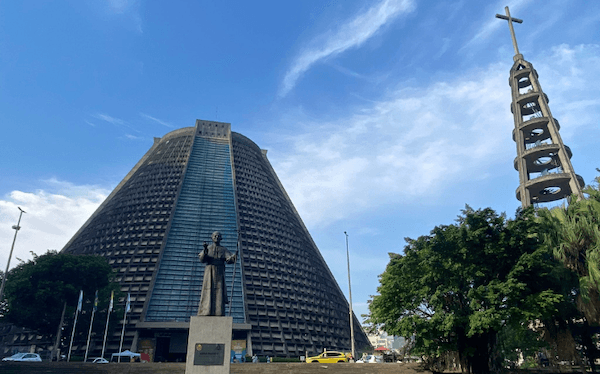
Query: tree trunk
[590,349]
[481,347]
[465,366]
[481,358]
[463,358]
[496,360]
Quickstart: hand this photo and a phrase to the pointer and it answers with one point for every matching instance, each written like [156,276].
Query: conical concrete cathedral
[193,181]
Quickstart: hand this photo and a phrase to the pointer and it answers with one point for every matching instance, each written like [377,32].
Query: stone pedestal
[209,345]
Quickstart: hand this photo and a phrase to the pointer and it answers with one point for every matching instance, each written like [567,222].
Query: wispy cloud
[418,141]
[109,119]
[572,82]
[350,34]
[491,24]
[400,148]
[121,6]
[156,120]
[129,8]
[124,125]
[132,137]
[347,71]
[444,48]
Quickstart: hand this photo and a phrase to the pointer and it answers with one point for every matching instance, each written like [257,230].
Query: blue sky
[382,118]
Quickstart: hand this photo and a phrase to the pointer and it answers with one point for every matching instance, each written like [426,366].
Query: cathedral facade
[193,181]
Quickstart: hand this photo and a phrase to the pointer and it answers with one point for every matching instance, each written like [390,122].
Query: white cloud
[348,35]
[117,122]
[121,6]
[418,141]
[129,9]
[156,120]
[572,83]
[400,148]
[51,220]
[492,24]
[109,119]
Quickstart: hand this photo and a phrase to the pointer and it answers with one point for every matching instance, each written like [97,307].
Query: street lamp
[16,228]
[350,304]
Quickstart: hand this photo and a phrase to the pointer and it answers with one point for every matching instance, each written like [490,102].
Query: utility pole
[350,303]
[16,228]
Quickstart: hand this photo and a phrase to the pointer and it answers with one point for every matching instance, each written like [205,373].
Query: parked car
[328,357]
[31,357]
[97,360]
[370,359]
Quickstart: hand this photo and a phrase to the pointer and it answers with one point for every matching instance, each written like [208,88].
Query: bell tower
[543,161]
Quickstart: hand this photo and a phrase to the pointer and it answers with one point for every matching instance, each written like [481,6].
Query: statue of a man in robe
[214,292]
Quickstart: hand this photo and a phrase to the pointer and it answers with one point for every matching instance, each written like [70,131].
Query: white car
[31,357]
[370,359]
[97,360]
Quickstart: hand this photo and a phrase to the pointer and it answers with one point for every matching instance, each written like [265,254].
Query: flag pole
[72,335]
[87,346]
[127,306]
[110,308]
[79,304]
[56,349]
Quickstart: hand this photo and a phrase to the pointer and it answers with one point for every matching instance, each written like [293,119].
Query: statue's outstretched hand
[204,251]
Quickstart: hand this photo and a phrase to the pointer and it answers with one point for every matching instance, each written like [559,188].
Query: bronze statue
[214,293]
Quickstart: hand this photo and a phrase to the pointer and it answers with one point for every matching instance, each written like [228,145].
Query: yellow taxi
[328,357]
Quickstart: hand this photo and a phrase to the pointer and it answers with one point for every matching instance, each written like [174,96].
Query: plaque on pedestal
[209,345]
[209,354]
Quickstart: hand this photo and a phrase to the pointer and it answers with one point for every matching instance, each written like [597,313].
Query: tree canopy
[37,290]
[573,232]
[456,288]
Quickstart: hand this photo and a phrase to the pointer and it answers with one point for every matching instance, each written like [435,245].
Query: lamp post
[16,228]
[350,303]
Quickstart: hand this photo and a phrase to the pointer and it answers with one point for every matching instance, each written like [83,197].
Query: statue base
[209,345]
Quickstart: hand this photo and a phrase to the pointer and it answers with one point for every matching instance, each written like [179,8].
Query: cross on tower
[510,20]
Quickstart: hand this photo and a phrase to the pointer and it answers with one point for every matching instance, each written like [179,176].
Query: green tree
[37,290]
[516,340]
[573,232]
[457,287]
